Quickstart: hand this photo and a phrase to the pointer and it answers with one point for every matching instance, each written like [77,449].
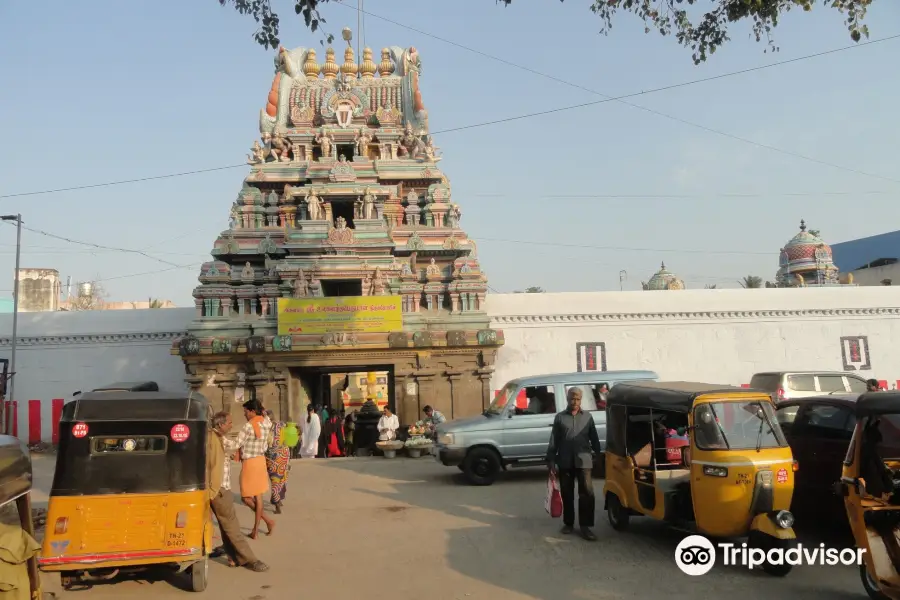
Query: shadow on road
[508,540]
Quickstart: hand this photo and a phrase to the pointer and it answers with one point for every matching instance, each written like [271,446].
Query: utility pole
[623,275]
[15,324]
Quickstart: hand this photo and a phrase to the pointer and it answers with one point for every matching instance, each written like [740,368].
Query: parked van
[514,431]
[787,385]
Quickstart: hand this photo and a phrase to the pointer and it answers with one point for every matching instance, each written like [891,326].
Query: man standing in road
[569,456]
[218,473]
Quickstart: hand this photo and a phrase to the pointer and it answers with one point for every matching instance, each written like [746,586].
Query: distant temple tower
[805,261]
[663,280]
[344,251]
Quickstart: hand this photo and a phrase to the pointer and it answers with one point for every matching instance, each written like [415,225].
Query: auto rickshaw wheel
[870,585]
[67,579]
[766,543]
[199,572]
[618,515]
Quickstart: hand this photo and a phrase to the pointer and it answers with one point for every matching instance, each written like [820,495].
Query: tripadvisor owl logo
[696,555]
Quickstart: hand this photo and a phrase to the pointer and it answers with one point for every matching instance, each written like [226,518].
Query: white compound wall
[718,336]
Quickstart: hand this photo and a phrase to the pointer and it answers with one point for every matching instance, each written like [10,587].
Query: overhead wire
[537,114]
[623,99]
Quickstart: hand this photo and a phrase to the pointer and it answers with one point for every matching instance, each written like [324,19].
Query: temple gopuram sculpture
[806,261]
[663,280]
[344,199]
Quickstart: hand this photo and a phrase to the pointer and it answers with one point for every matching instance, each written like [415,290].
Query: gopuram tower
[344,252]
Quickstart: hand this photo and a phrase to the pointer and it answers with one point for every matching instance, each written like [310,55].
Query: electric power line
[622,99]
[543,113]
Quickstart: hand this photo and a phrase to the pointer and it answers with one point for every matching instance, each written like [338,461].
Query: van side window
[802,383]
[831,383]
[541,400]
[830,422]
[615,436]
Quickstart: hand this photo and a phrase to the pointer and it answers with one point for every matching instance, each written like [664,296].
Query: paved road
[380,529]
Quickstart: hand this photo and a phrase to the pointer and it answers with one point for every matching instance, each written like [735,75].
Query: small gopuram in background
[806,261]
[344,253]
[663,280]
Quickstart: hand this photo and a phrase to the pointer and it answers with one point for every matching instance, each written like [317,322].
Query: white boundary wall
[719,336]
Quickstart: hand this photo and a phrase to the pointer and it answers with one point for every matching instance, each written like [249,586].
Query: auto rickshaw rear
[129,491]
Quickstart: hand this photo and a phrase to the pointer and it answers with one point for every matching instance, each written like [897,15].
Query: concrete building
[39,290]
[718,336]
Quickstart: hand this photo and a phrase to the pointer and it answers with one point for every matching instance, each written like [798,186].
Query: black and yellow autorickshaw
[730,475]
[130,487]
[17,528]
[870,484]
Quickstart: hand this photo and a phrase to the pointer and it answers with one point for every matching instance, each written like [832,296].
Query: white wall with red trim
[60,353]
[718,336]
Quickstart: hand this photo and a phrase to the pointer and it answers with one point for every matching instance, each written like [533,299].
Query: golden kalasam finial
[367,68]
[349,67]
[311,67]
[386,66]
[330,68]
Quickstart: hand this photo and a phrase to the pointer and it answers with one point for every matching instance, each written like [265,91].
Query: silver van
[786,385]
[514,431]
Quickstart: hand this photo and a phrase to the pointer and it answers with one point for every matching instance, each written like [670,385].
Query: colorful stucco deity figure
[663,280]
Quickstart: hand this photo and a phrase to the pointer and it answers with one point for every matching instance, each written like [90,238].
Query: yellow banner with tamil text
[342,314]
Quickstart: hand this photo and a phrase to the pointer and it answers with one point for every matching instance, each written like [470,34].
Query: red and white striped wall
[33,421]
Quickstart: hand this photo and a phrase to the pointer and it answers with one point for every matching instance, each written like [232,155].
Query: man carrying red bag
[570,457]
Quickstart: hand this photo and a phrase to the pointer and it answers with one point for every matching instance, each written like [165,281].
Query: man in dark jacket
[572,439]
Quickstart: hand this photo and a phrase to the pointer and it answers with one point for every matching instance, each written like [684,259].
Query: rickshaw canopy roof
[15,469]
[129,386]
[137,406]
[672,396]
[872,404]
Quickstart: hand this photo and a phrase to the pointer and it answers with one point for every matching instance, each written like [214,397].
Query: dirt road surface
[409,528]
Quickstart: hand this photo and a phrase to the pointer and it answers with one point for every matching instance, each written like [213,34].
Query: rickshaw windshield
[737,426]
[500,400]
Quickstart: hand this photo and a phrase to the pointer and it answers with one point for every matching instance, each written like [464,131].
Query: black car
[818,429]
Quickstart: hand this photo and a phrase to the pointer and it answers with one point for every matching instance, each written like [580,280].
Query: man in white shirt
[388,425]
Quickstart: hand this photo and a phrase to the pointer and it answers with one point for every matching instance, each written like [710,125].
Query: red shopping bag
[553,503]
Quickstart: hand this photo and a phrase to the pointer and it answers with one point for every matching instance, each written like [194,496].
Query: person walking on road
[252,442]
[569,456]
[278,463]
[218,473]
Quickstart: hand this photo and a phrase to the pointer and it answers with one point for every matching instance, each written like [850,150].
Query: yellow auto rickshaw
[709,457]
[871,492]
[130,487]
[20,549]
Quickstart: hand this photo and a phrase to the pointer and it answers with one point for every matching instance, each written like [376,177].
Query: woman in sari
[278,463]
[334,430]
[252,442]
[311,430]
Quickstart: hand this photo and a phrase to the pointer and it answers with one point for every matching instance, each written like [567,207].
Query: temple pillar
[485,376]
[406,397]
[456,392]
[198,307]
[425,384]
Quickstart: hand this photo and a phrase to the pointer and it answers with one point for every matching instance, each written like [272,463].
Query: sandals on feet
[257,566]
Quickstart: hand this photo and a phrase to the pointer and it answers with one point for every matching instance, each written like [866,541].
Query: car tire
[199,572]
[618,516]
[869,584]
[766,543]
[482,466]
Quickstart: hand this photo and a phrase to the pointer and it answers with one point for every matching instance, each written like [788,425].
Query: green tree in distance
[751,282]
[530,290]
[703,31]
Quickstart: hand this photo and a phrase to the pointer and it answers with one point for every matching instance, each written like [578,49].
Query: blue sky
[106,90]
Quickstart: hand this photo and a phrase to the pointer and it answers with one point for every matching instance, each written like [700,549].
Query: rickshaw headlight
[62,525]
[715,471]
[784,519]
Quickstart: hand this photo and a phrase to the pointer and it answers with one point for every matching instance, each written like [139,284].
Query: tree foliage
[701,25]
[534,289]
[751,282]
[95,300]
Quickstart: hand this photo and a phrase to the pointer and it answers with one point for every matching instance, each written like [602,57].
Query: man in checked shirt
[218,474]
